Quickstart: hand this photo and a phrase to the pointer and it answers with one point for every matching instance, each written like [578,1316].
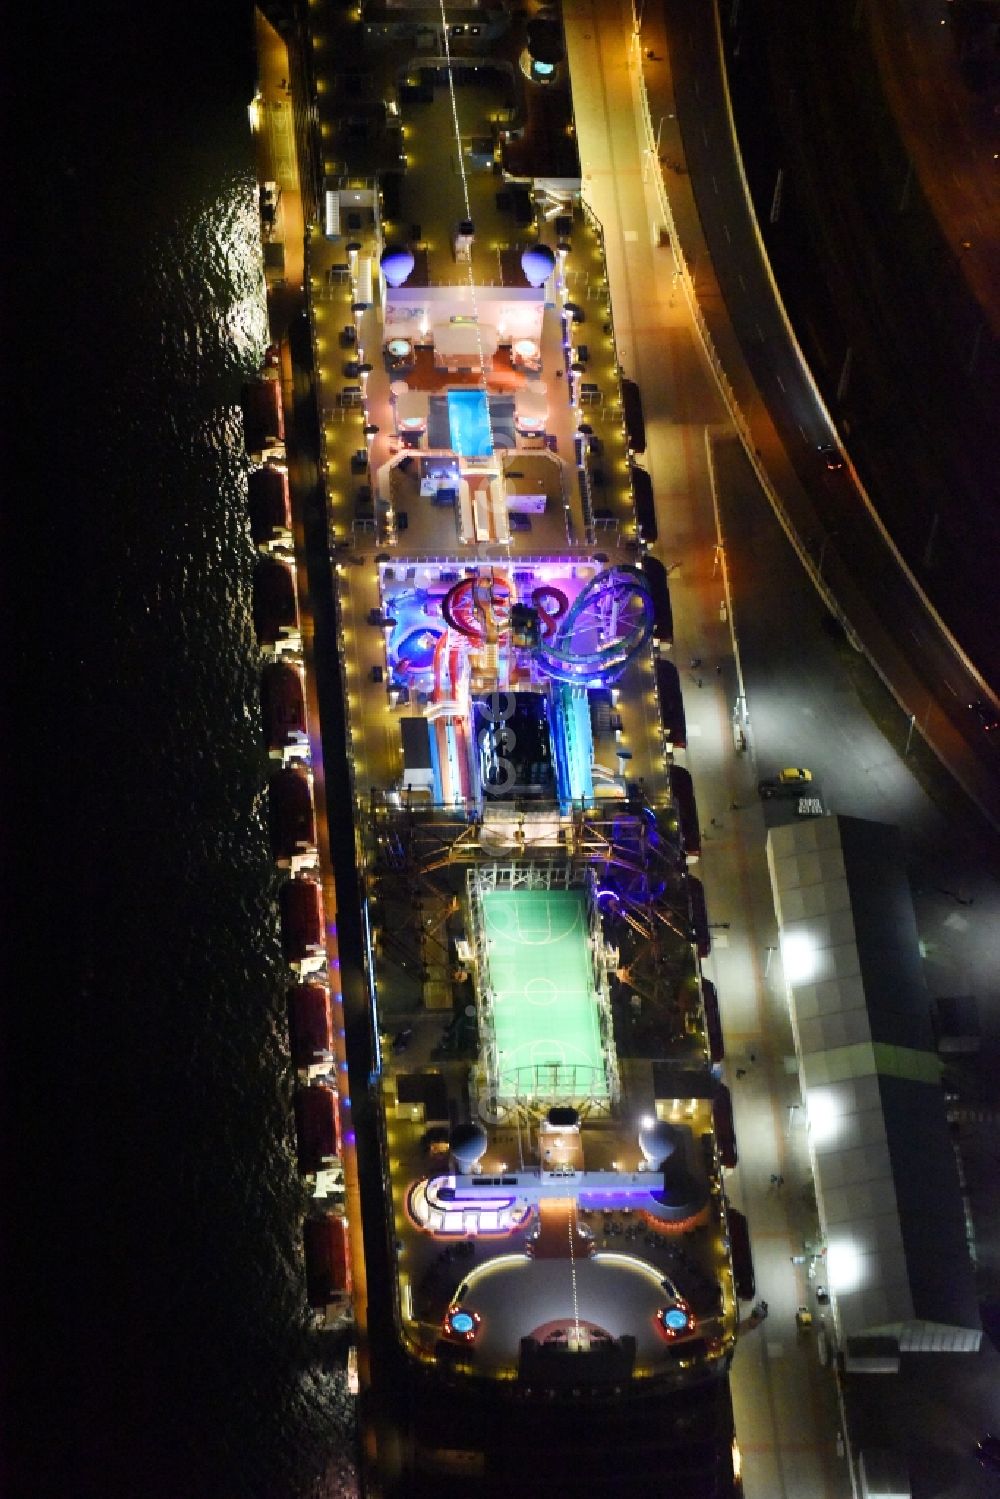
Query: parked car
[791,779]
[988,1452]
[987,719]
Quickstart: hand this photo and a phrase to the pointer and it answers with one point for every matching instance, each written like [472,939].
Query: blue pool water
[469,423]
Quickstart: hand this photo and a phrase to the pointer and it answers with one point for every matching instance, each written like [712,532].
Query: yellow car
[794,776]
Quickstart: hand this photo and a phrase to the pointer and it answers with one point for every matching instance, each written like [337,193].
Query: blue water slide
[608,623]
[574,746]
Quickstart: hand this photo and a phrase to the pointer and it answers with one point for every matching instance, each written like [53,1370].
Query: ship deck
[559,1269]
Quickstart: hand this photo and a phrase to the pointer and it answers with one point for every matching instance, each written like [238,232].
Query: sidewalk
[785,1404]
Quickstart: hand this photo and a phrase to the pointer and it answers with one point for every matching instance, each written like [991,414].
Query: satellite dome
[545,40]
[468,1145]
[658,1141]
[537,263]
[682,1194]
[397,262]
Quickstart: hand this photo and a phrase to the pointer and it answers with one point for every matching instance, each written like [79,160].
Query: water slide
[608,623]
[591,639]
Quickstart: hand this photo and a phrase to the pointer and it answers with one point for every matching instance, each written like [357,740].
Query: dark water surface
[161,1344]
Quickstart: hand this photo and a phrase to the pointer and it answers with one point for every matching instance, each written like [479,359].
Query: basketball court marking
[545,1007]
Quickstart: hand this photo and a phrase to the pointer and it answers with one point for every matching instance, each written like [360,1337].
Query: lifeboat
[668,688]
[301,904]
[310,1025]
[713,1020]
[645,508]
[263,413]
[699,917]
[725,1129]
[635,424]
[275,608]
[659,590]
[283,706]
[292,817]
[682,790]
[270,511]
[316,1127]
[328,1264]
[739,1239]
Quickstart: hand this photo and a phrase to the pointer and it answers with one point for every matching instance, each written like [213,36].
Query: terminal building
[896,1260]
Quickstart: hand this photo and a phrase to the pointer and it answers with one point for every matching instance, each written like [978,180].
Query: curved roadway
[865,266]
[913,651]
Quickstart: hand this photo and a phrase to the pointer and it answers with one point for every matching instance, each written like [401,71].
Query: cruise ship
[518,1161]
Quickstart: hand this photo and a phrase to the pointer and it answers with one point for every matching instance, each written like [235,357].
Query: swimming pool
[469,423]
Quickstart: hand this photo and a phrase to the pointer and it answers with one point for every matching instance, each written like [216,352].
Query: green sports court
[545,1010]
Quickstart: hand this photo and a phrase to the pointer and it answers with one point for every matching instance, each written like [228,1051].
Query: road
[879,299]
[784,1401]
[952,134]
[780,400]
